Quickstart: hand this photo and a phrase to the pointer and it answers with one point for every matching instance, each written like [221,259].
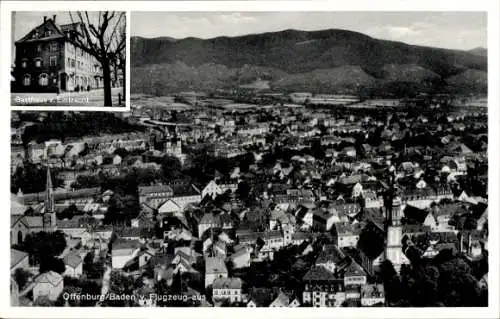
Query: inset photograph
[68,58]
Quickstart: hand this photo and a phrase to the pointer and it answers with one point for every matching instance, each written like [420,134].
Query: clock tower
[394,230]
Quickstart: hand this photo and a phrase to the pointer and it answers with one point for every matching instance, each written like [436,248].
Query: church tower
[173,145]
[49,215]
[394,229]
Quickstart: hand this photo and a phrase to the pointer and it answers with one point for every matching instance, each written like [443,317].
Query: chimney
[44,19]
[54,18]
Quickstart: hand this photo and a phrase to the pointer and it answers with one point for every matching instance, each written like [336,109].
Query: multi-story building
[47,60]
[322,288]
[229,289]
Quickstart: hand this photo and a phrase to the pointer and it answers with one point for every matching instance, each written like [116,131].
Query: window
[48,33]
[53,47]
[38,62]
[43,79]
[69,62]
[26,80]
[53,61]
[72,63]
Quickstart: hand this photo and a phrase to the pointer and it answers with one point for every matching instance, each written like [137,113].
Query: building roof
[227,283]
[50,277]
[282,300]
[49,24]
[162,259]
[415,215]
[319,273]
[145,190]
[73,260]
[61,195]
[354,269]
[215,265]
[125,244]
[185,190]
[210,219]
[300,235]
[416,229]
[345,229]
[16,256]
[34,221]
[332,254]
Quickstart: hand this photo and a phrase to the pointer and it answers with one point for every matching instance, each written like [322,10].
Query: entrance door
[63,82]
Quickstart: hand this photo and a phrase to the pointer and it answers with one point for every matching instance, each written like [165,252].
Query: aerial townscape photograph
[268,159]
[68,58]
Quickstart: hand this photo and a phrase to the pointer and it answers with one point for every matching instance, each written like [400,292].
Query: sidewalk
[85,98]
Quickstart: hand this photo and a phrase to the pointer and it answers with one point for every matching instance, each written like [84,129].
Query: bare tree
[121,57]
[103,40]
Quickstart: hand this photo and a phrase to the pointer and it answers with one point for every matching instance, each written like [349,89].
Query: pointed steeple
[49,193]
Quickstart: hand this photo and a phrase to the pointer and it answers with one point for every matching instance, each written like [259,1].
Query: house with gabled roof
[48,284]
[47,56]
[154,195]
[330,258]
[354,274]
[169,207]
[74,265]
[18,260]
[322,288]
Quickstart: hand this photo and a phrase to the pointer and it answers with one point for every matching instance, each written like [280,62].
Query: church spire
[49,193]
[393,210]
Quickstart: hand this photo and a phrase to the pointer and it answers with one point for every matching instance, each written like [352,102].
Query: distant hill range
[479,51]
[318,61]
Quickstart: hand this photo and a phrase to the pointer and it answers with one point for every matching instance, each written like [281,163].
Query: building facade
[47,60]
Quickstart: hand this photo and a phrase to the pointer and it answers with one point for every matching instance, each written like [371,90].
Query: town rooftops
[227,283]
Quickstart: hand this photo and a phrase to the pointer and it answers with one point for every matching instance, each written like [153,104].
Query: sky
[451,30]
